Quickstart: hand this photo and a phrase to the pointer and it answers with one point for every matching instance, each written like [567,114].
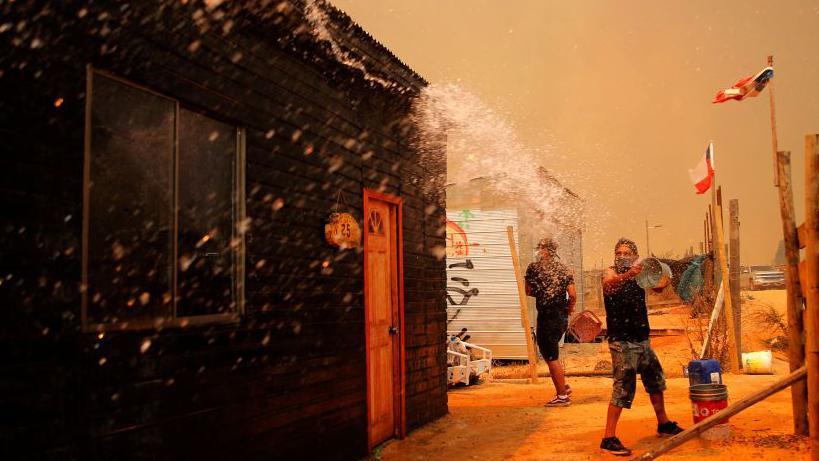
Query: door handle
[393,330]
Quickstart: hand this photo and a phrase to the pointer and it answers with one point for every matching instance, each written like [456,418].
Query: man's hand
[572,292]
[612,280]
[634,270]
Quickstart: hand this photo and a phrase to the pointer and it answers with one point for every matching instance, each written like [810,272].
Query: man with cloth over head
[631,353]
[552,285]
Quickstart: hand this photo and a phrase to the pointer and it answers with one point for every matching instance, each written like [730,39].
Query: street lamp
[648,246]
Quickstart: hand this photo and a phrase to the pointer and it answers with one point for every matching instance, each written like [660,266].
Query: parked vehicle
[763,277]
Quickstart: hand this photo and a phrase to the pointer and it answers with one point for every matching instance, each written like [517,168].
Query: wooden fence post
[812,288]
[719,202]
[796,342]
[734,271]
[719,250]
[524,314]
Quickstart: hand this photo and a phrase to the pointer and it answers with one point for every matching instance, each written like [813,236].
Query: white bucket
[757,363]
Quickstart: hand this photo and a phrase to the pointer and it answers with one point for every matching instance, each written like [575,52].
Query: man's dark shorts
[628,359]
[548,338]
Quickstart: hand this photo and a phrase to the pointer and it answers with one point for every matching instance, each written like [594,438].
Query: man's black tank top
[626,313]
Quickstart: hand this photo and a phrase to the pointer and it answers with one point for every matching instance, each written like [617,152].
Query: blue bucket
[705,371]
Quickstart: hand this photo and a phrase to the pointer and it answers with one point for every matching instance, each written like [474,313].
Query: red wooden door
[382,315]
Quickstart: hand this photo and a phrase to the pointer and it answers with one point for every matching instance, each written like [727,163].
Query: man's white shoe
[560,401]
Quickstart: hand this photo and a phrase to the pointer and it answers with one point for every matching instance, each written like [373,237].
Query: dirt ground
[502,420]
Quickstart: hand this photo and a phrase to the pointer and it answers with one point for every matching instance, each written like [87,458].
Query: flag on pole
[748,87]
[703,175]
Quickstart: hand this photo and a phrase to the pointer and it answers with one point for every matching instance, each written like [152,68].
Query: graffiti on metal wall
[457,290]
[457,246]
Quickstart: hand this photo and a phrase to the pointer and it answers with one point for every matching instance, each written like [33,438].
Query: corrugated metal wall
[482,291]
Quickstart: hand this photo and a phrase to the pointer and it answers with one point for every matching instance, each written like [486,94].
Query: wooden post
[719,246]
[524,315]
[796,342]
[705,234]
[734,271]
[774,142]
[719,202]
[709,230]
[812,288]
[731,410]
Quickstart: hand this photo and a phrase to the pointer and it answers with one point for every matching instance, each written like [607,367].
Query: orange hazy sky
[616,95]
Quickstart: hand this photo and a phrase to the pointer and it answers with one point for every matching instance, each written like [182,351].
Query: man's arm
[530,287]
[572,297]
[612,281]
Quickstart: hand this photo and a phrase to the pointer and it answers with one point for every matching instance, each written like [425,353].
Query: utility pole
[648,245]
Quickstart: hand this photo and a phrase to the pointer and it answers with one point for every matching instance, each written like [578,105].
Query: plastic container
[655,274]
[757,363]
[585,326]
[707,400]
[705,371]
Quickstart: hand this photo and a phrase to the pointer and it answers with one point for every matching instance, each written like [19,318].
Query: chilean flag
[748,87]
[703,175]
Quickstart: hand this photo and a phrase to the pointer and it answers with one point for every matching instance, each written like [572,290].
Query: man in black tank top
[631,353]
[552,285]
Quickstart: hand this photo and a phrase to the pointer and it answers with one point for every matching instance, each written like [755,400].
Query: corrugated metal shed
[482,291]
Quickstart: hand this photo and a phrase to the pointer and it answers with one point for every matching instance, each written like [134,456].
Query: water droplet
[117,250]
[194,45]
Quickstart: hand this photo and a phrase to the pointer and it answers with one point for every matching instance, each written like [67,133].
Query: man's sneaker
[668,429]
[613,446]
[559,401]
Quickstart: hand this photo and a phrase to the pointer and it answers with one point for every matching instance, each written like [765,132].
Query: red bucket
[708,400]
[585,326]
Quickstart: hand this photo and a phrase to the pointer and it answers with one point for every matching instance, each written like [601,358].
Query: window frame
[239,202]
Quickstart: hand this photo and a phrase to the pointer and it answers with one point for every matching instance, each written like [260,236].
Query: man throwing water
[552,285]
[631,353]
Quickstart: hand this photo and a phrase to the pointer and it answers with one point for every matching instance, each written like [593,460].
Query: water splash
[319,21]
[481,143]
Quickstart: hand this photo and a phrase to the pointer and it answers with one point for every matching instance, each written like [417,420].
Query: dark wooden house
[166,290]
